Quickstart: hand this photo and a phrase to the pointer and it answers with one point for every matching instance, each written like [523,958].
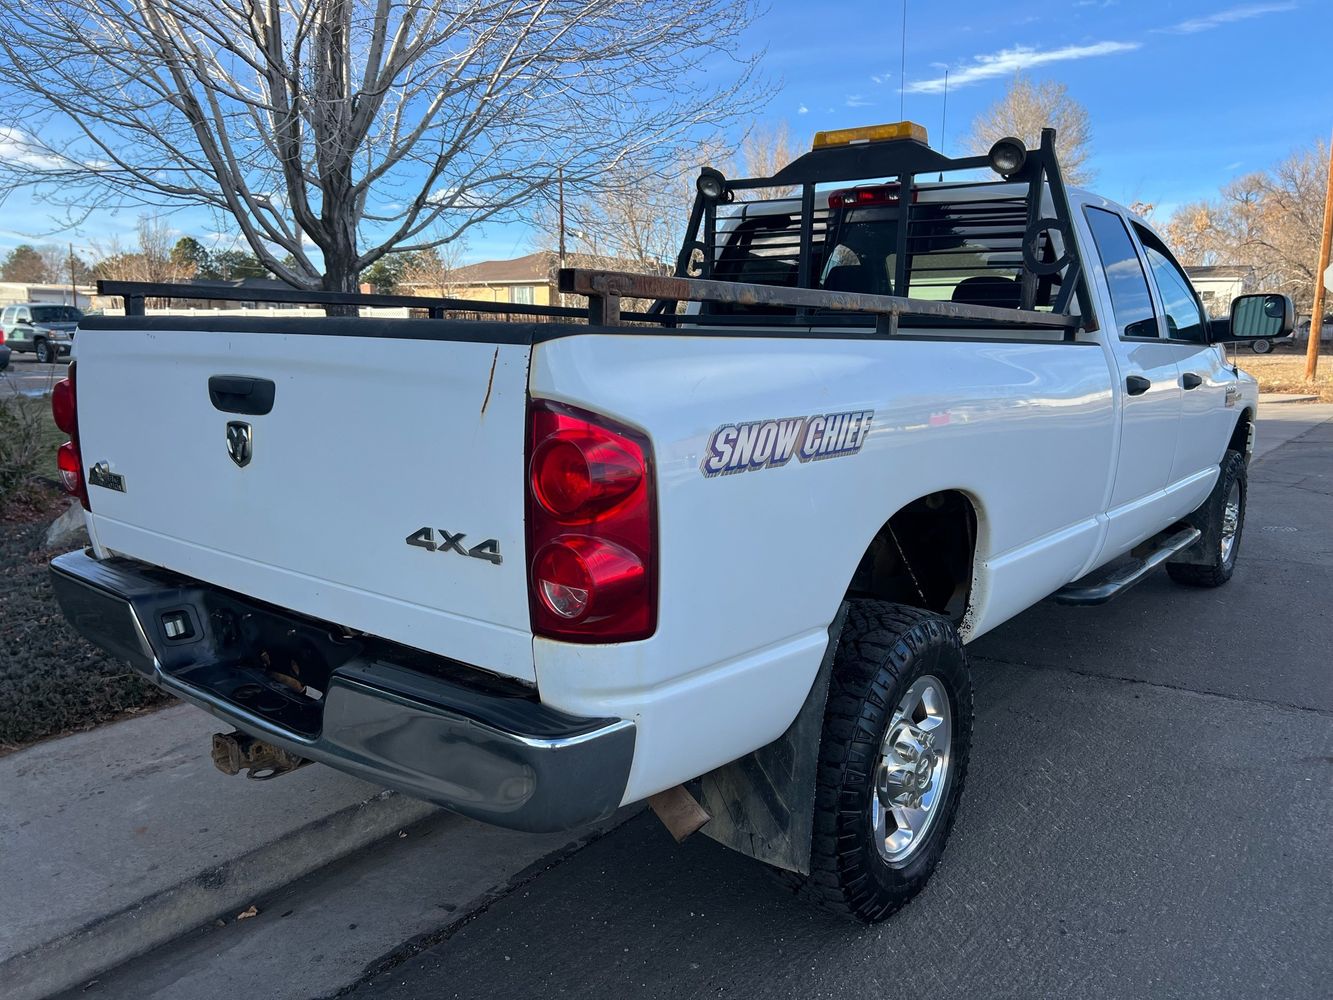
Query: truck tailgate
[368,441]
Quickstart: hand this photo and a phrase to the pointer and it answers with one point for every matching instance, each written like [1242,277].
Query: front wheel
[1221,520]
[892,760]
[45,353]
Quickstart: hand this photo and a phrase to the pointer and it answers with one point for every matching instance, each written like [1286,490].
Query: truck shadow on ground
[1076,854]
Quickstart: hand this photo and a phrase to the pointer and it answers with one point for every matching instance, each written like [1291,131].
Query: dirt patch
[1284,371]
[51,680]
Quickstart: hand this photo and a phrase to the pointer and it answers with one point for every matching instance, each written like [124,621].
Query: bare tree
[1024,110]
[335,131]
[1270,220]
[639,215]
[150,259]
[1193,236]
[431,271]
[765,151]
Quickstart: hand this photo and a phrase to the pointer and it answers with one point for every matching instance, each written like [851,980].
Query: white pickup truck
[723,554]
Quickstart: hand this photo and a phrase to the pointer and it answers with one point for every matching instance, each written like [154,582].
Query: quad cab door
[1148,384]
[1207,414]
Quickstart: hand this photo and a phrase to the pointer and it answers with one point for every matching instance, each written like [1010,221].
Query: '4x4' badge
[425,538]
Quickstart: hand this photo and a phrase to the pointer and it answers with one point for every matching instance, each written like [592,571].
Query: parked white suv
[724,557]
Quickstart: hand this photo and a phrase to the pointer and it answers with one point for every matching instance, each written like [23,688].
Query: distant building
[12,292]
[259,286]
[1218,285]
[529,280]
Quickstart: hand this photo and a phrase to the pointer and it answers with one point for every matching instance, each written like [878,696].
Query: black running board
[1122,580]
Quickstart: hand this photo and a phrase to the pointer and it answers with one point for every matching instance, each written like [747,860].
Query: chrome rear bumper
[489,754]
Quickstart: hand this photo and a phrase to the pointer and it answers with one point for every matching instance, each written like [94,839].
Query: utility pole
[73,288]
[560,186]
[944,117]
[1317,313]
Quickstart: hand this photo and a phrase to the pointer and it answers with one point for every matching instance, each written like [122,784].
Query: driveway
[1149,814]
[26,376]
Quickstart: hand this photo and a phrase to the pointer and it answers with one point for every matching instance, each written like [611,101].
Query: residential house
[1217,285]
[529,280]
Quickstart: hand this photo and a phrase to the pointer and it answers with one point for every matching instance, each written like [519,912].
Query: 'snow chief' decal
[769,444]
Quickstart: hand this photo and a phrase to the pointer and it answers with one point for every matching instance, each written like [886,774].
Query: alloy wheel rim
[912,774]
[1230,522]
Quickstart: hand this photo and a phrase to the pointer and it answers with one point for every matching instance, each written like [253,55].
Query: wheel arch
[1242,434]
[926,555]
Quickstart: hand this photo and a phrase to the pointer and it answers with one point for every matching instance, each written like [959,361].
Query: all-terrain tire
[1219,561]
[883,650]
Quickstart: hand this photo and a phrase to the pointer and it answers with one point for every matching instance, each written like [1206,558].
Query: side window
[7,316]
[1124,274]
[1184,319]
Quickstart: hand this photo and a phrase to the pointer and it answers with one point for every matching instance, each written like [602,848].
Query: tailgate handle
[241,394]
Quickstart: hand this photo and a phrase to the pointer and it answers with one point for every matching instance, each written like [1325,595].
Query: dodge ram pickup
[722,553]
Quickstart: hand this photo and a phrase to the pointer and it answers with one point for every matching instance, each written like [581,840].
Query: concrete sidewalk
[122,838]
[119,840]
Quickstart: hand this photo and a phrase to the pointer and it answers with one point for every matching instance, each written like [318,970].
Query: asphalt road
[25,375]
[1149,813]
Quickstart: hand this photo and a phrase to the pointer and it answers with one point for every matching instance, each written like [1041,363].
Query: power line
[902,71]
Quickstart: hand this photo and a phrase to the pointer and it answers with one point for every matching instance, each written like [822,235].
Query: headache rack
[773,261]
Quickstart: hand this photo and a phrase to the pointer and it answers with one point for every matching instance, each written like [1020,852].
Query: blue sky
[1183,94]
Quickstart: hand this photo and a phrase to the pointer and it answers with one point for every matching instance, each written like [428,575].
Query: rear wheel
[1221,520]
[892,761]
[1262,346]
[44,352]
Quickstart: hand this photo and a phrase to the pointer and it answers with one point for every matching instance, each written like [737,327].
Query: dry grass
[51,680]
[1284,371]
[28,442]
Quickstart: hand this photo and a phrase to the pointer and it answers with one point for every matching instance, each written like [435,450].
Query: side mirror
[1255,317]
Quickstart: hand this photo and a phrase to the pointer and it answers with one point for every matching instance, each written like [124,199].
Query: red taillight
[591,528]
[62,406]
[580,475]
[70,465]
[880,194]
[65,410]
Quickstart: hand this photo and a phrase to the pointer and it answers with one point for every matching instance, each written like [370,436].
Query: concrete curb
[1271,398]
[72,959]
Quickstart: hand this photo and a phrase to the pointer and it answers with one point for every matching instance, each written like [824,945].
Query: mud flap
[763,804]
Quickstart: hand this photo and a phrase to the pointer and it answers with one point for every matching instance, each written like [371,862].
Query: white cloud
[1229,16]
[1006,62]
[856,101]
[802,110]
[18,147]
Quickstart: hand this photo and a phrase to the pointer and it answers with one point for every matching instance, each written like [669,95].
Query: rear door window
[1185,320]
[1124,274]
